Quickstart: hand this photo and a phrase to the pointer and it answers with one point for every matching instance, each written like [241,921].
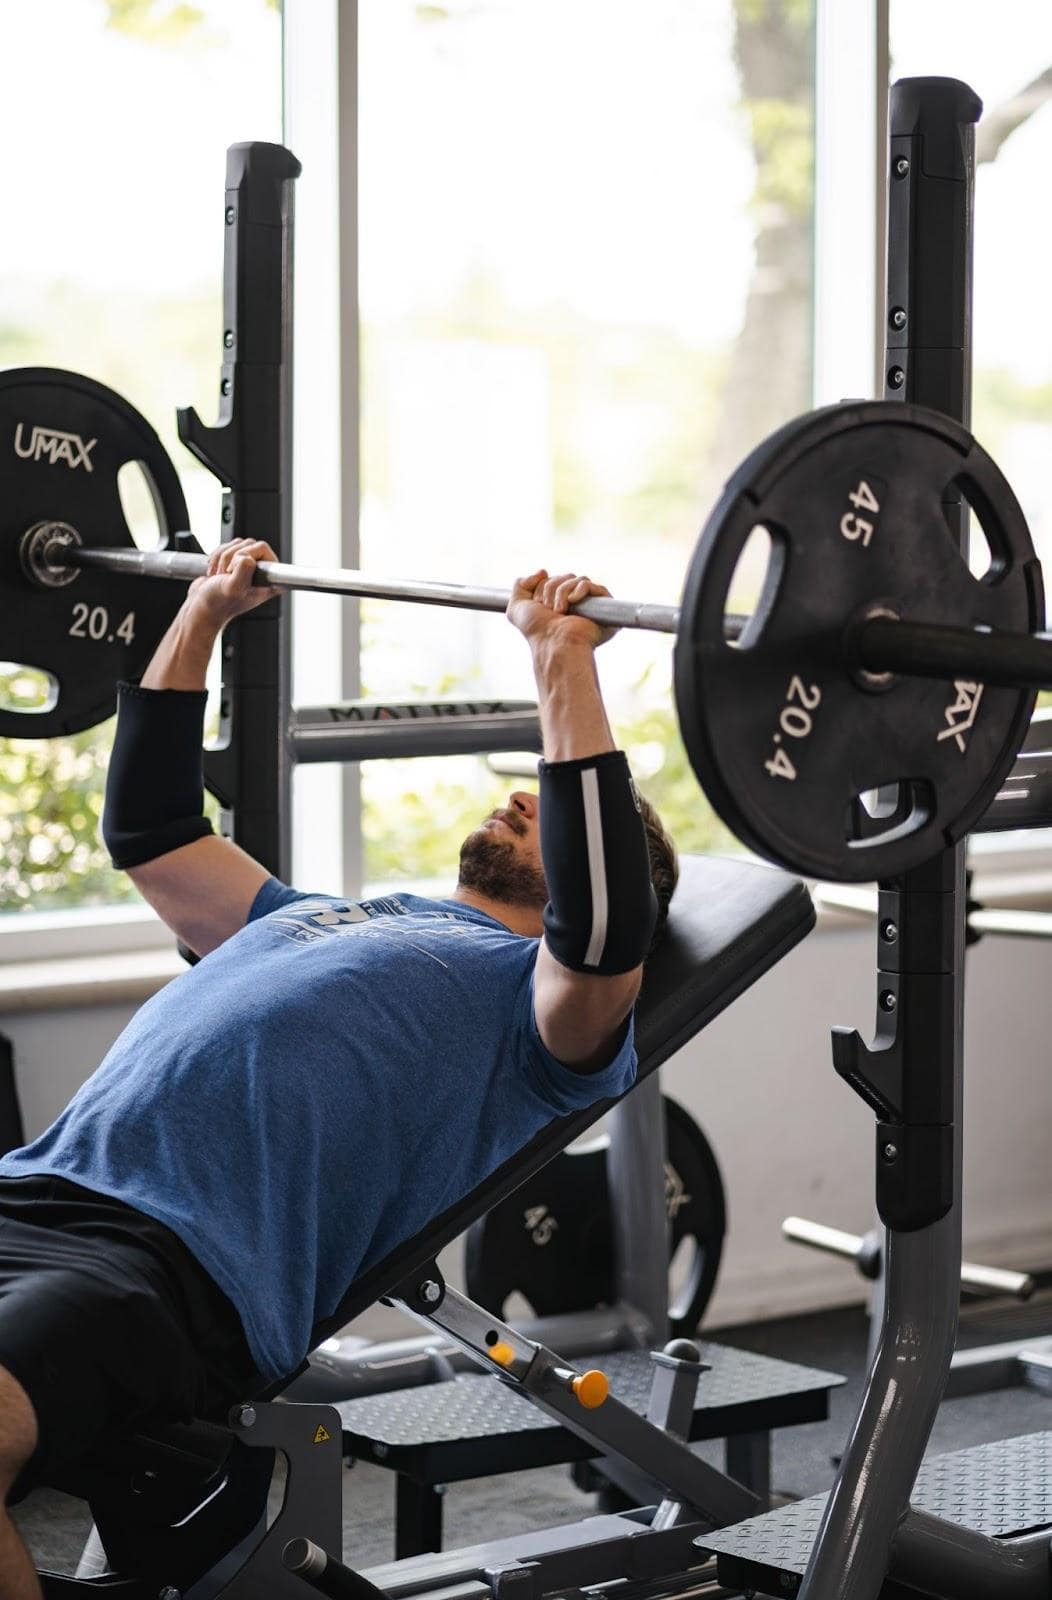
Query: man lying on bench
[329,1078]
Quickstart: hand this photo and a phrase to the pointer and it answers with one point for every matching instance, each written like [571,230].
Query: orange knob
[502,1354]
[591,1388]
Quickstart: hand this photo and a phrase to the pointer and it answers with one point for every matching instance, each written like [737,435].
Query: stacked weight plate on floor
[788,733]
[65,439]
[552,1240]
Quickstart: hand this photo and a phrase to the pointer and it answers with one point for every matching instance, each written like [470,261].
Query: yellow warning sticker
[321,1435]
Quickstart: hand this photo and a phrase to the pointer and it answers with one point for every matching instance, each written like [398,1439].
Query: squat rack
[911,1075]
[263,736]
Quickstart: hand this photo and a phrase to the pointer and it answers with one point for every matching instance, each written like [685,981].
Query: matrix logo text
[52,445]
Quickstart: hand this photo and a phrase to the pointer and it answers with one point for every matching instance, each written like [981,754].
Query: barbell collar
[185,567]
[933,650]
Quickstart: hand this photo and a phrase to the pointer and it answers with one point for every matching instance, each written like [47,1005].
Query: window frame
[319,104]
[80,931]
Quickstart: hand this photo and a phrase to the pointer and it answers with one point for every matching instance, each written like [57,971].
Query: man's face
[502,858]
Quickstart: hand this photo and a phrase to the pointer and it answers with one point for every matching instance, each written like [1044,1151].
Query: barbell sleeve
[185,566]
[932,650]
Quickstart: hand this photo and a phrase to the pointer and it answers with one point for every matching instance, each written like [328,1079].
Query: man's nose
[525,804]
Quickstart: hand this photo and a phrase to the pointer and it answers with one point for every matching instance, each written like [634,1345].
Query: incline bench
[184,1511]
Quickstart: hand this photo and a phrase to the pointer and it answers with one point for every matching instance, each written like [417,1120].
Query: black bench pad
[473,1425]
[998,1489]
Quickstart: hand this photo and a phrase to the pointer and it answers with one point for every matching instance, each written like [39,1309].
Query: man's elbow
[586,1028]
[587,1052]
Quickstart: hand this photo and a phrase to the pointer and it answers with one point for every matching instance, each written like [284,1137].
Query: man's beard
[491,867]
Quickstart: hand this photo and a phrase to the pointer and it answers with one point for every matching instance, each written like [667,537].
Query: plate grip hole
[753,587]
[142,507]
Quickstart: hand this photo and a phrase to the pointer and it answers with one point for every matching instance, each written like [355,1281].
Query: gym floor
[55,1526]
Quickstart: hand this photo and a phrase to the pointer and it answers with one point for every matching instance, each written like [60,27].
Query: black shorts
[108,1322]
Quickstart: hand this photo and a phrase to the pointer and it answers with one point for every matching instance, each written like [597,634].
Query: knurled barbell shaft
[185,567]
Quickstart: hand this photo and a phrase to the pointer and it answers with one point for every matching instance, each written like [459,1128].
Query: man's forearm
[600,912]
[573,718]
[181,659]
[155,783]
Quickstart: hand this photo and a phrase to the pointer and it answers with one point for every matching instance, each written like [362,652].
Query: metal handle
[1016,924]
[822,1237]
[1012,923]
[996,1280]
[326,1575]
[862,1248]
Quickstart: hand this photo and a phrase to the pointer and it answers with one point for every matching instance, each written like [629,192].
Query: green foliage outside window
[50,804]
[51,857]
[51,791]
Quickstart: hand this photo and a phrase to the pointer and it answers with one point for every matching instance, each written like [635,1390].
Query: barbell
[859,719]
[880,643]
[53,555]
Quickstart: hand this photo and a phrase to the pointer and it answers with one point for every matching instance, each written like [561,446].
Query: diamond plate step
[998,1489]
[470,1426]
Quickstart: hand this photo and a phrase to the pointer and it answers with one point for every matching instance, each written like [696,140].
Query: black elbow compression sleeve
[602,908]
[155,784]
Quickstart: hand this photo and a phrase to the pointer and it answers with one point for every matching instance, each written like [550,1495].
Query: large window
[586,283]
[585,241]
[113,267]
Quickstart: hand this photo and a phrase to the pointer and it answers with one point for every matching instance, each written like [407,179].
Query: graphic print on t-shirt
[307,921]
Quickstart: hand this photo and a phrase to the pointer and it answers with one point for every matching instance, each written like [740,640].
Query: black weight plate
[552,1240]
[783,734]
[697,1215]
[64,440]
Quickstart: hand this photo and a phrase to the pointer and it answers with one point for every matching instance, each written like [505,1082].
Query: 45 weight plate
[785,735]
[552,1240]
[63,440]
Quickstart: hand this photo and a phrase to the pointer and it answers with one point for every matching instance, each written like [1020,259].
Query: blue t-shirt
[314,1092]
